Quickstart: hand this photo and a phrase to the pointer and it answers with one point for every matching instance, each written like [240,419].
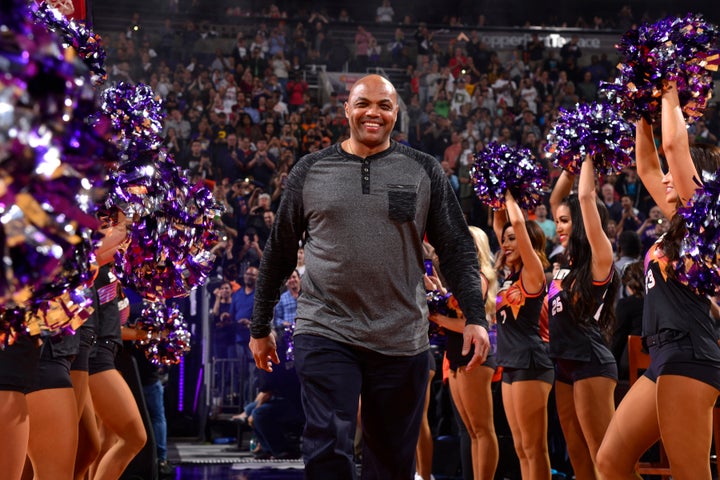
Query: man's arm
[278,261]
[448,232]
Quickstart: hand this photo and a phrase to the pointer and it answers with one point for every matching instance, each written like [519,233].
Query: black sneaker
[165,469]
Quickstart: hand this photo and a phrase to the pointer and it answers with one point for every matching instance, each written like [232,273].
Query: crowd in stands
[240,120]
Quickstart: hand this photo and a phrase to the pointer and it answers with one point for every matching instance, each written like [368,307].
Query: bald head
[371,110]
[373,82]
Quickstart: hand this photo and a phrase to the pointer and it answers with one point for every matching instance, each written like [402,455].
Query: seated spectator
[276,415]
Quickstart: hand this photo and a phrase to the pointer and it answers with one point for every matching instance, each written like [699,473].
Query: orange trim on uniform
[607,280]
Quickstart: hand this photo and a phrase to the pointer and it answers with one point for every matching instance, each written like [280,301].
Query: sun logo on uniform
[512,297]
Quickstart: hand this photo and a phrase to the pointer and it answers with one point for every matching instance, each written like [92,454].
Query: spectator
[652,228]
[240,49]
[227,159]
[173,144]
[631,217]
[241,313]
[460,95]
[570,52]
[628,184]
[607,191]
[384,13]
[153,379]
[396,45]
[362,47]
[262,165]
[344,16]
[423,38]
[587,89]
[629,250]
[701,133]
[504,89]
[190,159]
[453,150]
[286,307]
[458,63]
[628,313]
[547,225]
[535,51]
[224,331]
[529,93]
[276,415]
[296,88]
[204,170]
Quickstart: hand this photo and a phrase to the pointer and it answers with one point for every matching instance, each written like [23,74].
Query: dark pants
[333,377]
[275,423]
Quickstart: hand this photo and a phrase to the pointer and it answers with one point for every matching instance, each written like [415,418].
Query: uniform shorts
[677,358]
[18,365]
[103,357]
[511,375]
[571,371]
[52,372]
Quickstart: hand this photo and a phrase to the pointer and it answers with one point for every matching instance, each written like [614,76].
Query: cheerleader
[581,312]
[113,401]
[470,388]
[674,399]
[18,364]
[522,350]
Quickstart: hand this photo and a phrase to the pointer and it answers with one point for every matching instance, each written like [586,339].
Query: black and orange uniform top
[454,344]
[673,306]
[107,306]
[520,342]
[576,339]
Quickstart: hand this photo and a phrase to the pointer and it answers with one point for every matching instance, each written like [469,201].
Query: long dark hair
[537,240]
[705,157]
[578,283]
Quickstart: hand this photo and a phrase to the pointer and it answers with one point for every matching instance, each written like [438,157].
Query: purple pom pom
[680,49]
[137,116]
[499,168]
[699,265]
[442,303]
[76,35]
[592,129]
[288,332]
[51,157]
[173,231]
[168,338]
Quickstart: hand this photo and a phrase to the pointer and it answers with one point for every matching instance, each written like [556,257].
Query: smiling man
[362,208]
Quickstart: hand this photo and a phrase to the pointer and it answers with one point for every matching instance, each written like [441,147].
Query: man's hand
[264,351]
[478,336]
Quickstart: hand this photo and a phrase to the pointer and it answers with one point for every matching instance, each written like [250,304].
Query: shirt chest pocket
[402,202]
